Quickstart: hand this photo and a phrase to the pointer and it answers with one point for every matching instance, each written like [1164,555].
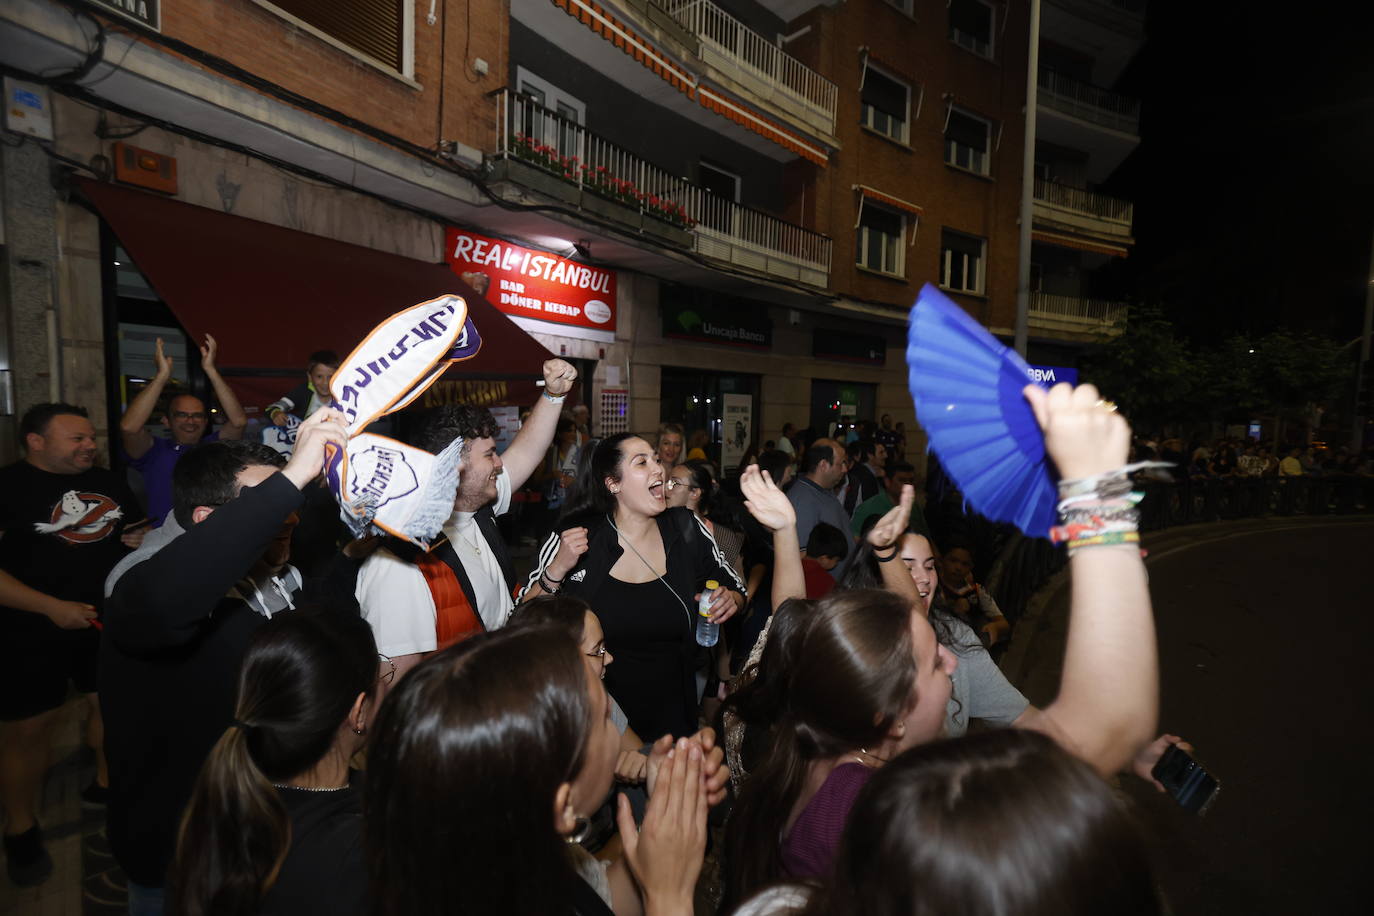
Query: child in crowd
[311,394]
[825,549]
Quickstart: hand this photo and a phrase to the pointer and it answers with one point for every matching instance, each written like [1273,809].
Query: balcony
[756,64]
[541,150]
[1074,317]
[1062,208]
[1089,103]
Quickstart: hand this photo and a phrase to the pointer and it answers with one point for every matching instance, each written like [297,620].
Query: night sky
[1254,179]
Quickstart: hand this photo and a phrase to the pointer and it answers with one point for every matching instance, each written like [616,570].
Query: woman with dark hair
[694,486]
[871,680]
[274,822]
[576,618]
[643,566]
[487,758]
[1003,822]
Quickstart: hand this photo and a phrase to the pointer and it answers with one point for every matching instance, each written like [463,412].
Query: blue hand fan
[967,389]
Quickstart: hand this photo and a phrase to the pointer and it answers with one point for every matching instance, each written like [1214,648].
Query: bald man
[823,466]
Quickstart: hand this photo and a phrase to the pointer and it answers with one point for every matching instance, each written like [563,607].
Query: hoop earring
[581,826]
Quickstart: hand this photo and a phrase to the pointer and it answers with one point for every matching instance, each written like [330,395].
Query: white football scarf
[384,486]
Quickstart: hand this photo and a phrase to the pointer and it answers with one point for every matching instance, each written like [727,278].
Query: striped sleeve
[546,555]
[718,557]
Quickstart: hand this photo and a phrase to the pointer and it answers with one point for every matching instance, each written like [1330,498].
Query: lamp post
[1023,258]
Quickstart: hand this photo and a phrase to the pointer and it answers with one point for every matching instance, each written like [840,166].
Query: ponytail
[301,675]
[234,836]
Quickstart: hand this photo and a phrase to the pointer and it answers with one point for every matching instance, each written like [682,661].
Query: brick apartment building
[722,210]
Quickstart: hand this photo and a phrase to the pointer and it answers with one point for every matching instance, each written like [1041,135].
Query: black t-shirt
[61,531]
[325,871]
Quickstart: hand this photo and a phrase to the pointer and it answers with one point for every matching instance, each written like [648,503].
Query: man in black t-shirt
[63,526]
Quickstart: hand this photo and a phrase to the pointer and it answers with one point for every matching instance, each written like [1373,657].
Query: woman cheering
[643,569]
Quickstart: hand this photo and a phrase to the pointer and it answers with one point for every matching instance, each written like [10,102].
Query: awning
[272,296]
[888,199]
[1069,241]
[760,125]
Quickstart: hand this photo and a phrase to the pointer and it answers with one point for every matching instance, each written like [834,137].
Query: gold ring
[1109,405]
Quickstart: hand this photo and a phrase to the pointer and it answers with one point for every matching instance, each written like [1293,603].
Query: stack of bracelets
[1097,511]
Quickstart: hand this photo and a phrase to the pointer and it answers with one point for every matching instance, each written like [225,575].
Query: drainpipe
[1023,257]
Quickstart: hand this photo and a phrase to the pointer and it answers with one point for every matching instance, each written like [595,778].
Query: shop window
[879,240]
[961,262]
[968,141]
[378,29]
[970,26]
[885,103]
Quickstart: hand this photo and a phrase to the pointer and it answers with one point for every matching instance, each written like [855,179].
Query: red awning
[272,296]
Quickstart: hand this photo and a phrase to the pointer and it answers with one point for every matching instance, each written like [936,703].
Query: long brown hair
[299,679]
[998,822]
[467,756]
[852,677]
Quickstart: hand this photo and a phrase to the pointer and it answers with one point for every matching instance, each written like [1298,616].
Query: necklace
[278,785]
[866,753]
[475,543]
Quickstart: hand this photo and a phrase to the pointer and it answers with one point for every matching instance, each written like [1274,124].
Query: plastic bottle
[707,631]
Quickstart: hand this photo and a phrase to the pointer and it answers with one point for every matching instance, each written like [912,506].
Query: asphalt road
[1266,668]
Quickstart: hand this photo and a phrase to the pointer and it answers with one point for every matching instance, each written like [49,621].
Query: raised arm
[135,438]
[235,420]
[886,539]
[774,511]
[1109,692]
[532,443]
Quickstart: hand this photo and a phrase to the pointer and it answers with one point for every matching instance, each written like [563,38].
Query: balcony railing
[756,56]
[1089,102]
[720,228]
[1089,203]
[1076,309]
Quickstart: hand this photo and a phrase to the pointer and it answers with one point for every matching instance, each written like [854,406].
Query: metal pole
[1023,258]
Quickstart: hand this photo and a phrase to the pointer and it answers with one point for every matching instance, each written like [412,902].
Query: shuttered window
[373,27]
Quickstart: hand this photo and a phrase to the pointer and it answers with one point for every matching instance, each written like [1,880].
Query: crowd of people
[394,730]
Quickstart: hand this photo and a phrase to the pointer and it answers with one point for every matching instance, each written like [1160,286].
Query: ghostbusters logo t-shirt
[61,531]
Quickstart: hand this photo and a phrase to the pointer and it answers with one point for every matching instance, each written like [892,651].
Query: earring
[580,827]
[360,728]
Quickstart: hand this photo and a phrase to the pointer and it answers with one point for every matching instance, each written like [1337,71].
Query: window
[378,29]
[718,210]
[884,103]
[961,262]
[970,26]
[879,240]
[903,5]
[968,140]
[555,116]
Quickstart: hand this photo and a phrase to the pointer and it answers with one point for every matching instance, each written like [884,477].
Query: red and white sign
[535,284]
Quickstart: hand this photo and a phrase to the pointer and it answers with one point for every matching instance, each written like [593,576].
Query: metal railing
[1077,308]
[770,63]
[529,132]
[1089,102]
[1083,201]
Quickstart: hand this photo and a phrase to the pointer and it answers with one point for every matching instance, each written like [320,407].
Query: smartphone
[1186,780]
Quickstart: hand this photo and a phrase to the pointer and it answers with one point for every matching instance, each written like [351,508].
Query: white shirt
[396,601]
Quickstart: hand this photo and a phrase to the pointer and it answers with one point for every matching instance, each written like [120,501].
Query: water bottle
[707,631]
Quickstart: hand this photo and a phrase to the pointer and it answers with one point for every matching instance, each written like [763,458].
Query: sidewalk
[85,880]
[1035,658]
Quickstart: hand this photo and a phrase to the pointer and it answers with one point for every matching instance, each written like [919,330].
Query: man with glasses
[186,419]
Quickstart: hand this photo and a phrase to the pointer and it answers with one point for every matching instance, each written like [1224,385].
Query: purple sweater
[810,847]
